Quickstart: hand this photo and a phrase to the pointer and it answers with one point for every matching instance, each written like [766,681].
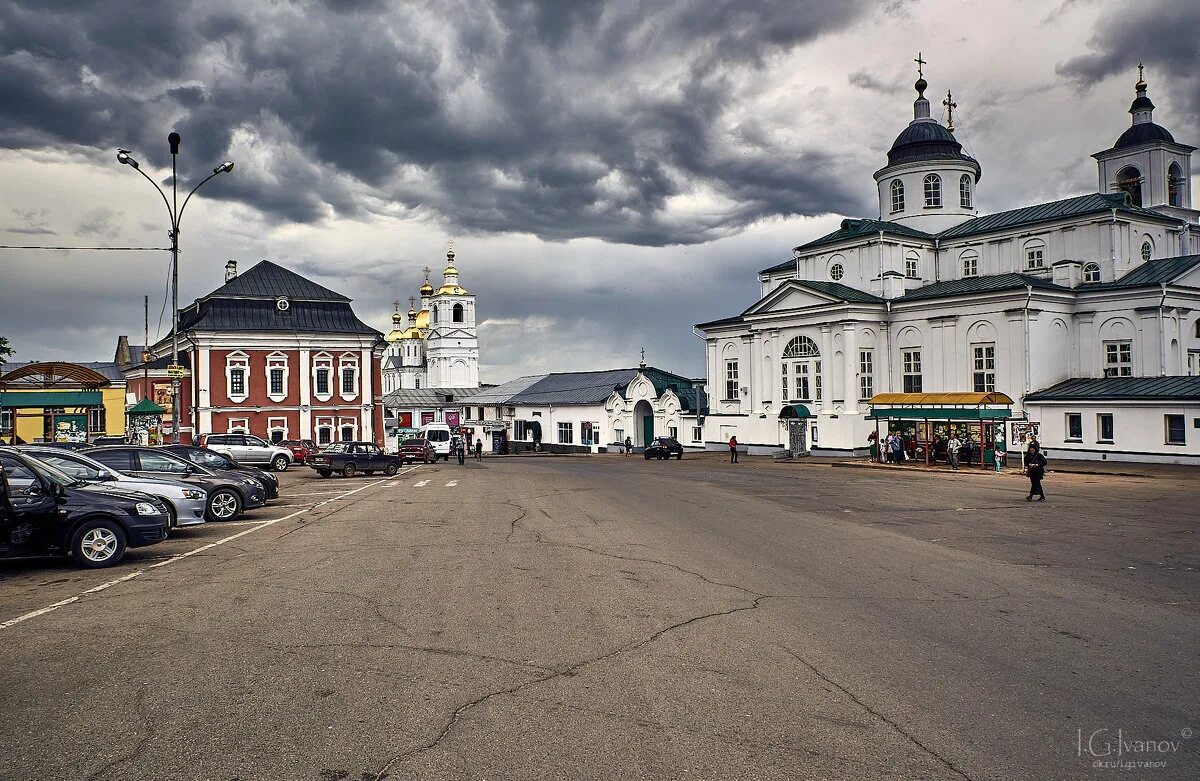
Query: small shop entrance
[796,417]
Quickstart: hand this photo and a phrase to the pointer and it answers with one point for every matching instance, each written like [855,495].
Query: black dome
[925,141]
[1143,133]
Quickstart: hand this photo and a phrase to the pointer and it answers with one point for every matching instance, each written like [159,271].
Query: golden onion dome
[426,289]
[423,319]
[395,335]
[452,290]
[397,318]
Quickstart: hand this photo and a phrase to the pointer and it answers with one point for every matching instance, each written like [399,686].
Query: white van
[438,435]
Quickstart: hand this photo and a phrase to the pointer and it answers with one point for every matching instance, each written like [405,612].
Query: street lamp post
[175,213]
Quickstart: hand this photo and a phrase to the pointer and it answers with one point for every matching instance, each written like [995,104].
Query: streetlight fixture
[175,213]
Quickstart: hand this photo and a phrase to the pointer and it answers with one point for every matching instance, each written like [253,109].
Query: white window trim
[277,360]
[343,423]
[1117,365]
[988,374]
[347,361]
[970,263]
[238,426]
[567,428]
[322,361]
[1039,246]
[1091,269]
[237,360]
[277,424]
[323,423]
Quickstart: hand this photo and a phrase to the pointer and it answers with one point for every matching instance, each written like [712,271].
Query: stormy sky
[610,172]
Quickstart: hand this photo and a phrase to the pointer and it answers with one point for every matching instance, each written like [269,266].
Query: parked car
[248,449]
[301,448]
[417,450]
[348,458]
[44,511]
[214,460]
[109,440]
[186,502]
[229,492]
[664,447]
[438,435]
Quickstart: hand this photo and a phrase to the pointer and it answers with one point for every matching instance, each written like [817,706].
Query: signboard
[175,371]
[426,418]
[451,419]
[404,420]
[163,397]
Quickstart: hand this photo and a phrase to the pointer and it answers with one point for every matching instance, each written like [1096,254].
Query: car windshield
[336,447]
[413,443]
[210,458]
[53,474]
[77,466]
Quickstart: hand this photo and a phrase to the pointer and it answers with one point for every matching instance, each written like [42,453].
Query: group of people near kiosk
[898,447]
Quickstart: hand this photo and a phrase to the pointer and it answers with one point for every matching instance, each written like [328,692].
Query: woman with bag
[1035,470]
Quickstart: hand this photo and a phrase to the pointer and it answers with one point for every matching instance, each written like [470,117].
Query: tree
[5,351]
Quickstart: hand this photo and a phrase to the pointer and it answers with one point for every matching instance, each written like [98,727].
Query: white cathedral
[439,346]
[1083,311]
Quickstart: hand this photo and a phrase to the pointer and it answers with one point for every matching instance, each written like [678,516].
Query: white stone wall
[1139,431]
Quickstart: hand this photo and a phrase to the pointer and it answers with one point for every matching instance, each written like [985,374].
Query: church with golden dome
[437,345]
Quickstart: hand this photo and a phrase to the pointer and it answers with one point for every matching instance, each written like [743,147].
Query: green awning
[146,407]
[791,411]
[42,399]
[941,413]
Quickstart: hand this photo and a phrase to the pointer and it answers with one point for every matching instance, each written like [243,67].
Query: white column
[367,387]
[305,370]
[850,356]
[202,376]
[883,374]
[826,371]
[754,398]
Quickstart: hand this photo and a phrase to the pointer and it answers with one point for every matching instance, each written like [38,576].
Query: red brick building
[273,354]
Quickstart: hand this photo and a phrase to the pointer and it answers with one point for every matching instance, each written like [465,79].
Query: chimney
[122,358]
[230,270]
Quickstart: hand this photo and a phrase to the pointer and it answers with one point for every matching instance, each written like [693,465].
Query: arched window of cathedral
[435,314]
[1035,254]
[964,191]
[836,272]
[1129,180]
[458,313]
[1175,185]
[897,196]
[801,347]
[1091,272]
[1147,250]
[933,191]
[970,263]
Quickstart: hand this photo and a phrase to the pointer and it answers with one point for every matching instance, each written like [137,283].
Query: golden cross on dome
[920,64]
[412,302]
[450,245]
[396,304]
[950,106]
[1140,72]
[427,271]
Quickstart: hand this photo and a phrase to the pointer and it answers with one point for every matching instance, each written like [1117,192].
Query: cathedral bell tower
[452,347]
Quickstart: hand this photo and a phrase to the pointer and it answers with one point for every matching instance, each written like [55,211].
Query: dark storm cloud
[1150,33]
[563,119]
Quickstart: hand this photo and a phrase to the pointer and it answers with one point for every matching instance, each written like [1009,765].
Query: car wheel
[647,455]
[280,464]
[224,505]
[325,472]
[391,470]
[679,456]
[172,516]
[348,470]
[98,544]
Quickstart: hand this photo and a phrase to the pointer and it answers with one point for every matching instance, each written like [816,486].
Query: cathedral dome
[427,289]
[925,140]
[1143,133]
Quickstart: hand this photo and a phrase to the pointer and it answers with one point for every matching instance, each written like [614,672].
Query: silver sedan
[186,502]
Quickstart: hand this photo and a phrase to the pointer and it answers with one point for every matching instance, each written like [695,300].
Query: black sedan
[44,511]
[349,458]
[664,447]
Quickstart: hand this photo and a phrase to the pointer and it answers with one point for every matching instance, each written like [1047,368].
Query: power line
[111,249]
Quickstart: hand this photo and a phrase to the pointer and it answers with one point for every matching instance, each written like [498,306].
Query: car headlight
[250,481]
[191,493]
[145,508]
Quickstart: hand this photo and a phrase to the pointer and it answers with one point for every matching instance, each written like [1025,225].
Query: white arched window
[933,191]
[348,376]
[801,347]
[801,371]
[1035,254]
[1147,249]
[964,191]
[897,195]
[322,368]
[1091,272]
[1129,180]
[435,314]
[237,376]
[458,313]
[912,266]
[1175,185]
[277,376]
[970,263]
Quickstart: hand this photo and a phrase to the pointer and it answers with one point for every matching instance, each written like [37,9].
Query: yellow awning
[939,399]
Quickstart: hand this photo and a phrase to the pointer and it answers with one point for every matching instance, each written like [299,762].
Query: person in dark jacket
[478,449]
[628,445]
[1035,469]
[460,450]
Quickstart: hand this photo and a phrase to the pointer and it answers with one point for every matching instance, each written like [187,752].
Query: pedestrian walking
[952,448]
[460,450]
[897,449]
[733,454]
[1035,470]
[478,449]
[628,446]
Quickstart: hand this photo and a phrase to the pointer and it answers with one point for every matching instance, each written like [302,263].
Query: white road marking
[421,484]
[257,525]
[452,483]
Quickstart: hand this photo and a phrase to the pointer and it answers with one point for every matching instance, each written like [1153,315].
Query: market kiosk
[926,421]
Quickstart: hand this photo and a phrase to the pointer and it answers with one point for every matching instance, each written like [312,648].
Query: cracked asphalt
[611,618]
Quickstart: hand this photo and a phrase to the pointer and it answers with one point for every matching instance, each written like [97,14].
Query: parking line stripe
[177,557]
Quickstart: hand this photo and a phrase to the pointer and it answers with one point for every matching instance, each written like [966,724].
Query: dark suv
[214,460]
[44,511]
[664,447]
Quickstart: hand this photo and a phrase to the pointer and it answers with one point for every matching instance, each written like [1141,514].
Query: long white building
[931,297]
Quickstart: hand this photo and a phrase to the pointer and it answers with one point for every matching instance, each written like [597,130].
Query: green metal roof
[855,229]
[1150,274]
[1091,203]
[786,265]
[793,411]
[1122,389]
[838,290]
[35,399]
[985,284]
[146,407]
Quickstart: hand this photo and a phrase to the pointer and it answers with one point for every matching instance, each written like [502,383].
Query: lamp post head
[224,167]
[124,159]
[173,140]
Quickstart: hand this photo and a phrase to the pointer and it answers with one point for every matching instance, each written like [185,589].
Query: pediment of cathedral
[793,295]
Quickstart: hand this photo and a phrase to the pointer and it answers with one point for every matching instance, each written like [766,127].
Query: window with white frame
[785,396]
[6,421]
[566,433]
[731,380]
[970,263]
[964,191]
[346,429]
[1118,359]
[933,191]
[618,435]
[866,374]
[1176,433]
[238,426]
[697,434]
[277,376]
[673,432]
[237,376]
[897,195]
[1091,272]
[1035,255]
[96,420]
[912,266]
[1074,427]
[836,271]
[323,377]
[912,371]
[324,431]
[348,376]
[1104,427]
[983,371]
[277,430]
[1147,250]
[802,357]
